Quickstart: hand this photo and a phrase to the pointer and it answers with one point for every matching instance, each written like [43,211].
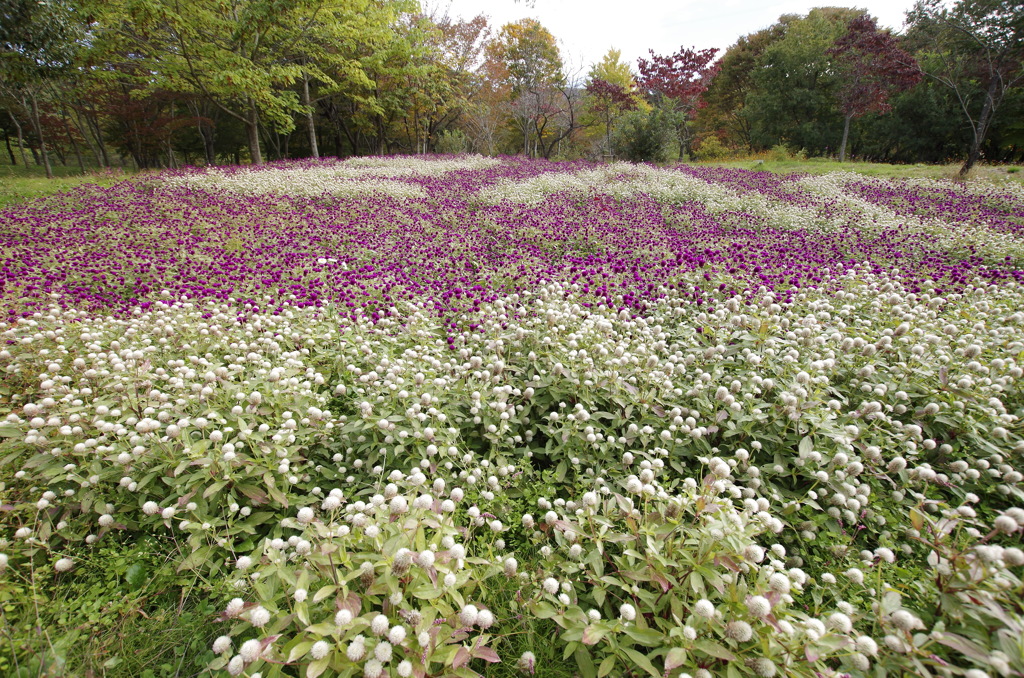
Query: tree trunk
[98,134]
[39,132]
[74,145]
[846,136]
[21,138]
[310,122]
[10,151]
[85,136]
[980,129]
[253,130]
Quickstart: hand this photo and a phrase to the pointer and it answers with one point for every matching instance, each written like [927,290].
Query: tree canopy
[168,82]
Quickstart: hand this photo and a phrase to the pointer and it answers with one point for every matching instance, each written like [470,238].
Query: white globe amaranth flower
[380,625]
[235,607]
[250,650]
[320,649]
[236,666]
[1005,524]
[627,612]
[356,649]
[704,608]
[759,606]
[305,515]
[867,645]
[763,667]
[485,619]
[739,630]
[64,564]
[468,615]
[383,651]
[840,622]
[222,645]
[527,663]
[550,585]
[259,616]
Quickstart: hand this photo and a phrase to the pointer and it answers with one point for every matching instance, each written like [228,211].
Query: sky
[586,29]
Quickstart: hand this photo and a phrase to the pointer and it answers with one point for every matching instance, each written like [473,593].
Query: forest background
[163,83]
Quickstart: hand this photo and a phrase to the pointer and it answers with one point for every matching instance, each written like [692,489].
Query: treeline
[167,82]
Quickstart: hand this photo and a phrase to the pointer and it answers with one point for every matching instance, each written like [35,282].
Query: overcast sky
[586,29]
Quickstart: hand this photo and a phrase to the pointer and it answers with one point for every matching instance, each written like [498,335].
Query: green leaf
[543,610]
[193,560]
[317,666]
[642,661]
[648,637]
[300,650]
[714,649]
[593,634]
[427,591]
[214,489]
[675,657]
[135,577]
[606,666]
[324,592]
[586,664]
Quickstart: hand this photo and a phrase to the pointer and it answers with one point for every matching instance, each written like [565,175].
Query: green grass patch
[20,184]
[874,169]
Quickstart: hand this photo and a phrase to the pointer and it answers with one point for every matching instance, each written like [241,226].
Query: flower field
[452,416]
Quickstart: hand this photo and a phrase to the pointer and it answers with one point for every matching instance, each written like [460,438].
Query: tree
[677,82]
[611,91]
[645,135]
[38,43]
[795,80]
[608,100]
[242,55]
[725,110]
[530,61]
[872,67]
[976,49]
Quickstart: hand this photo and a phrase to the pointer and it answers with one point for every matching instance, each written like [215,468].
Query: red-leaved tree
[676,83]
[872,68]
[608,100]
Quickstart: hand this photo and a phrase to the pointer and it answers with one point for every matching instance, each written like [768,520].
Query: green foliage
[644,136]
[821,484]
[711,148]
[453,141]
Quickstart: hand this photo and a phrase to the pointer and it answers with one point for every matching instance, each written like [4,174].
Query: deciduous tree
[677,82]
[531,62]
[872,67]
[976,49]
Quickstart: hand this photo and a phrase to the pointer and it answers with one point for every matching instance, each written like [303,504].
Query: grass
[19,183]
[124,613]
[875,169]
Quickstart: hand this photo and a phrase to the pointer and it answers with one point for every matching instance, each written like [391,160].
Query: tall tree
[38,43]
[725,112]
[676,82]
[795,82]
[608,100]
[242,55]
[976,49]
[872,67]
[531,62]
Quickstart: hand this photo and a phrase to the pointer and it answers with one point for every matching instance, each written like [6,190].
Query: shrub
[644,136]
